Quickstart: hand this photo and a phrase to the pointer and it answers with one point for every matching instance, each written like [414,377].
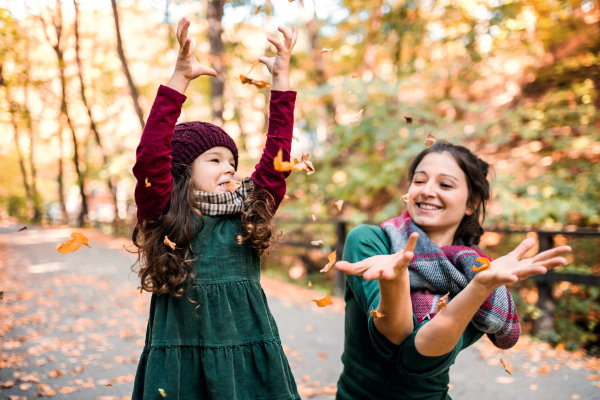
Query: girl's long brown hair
[162,270]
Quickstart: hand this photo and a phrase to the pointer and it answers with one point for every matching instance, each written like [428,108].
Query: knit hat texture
[194,138]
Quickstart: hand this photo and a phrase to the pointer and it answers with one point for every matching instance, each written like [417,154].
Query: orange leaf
[22,229]
[77,241]
[66,390]
[408,120]
[324,50]
[255,63]
[442,303]
[376,314]
[355,76]
[108,384]
[430,141]
[281,165]
[169,243]
[286,198]
[332,257]
[314,218]
[309,283]
[324,301]
[258,9]
[148,184]
[162,393]
[338,204]
[407,199]
[357,117]
[317,242]
[258,84]
[485,264]
[233,185]
[1,295]
[506,366]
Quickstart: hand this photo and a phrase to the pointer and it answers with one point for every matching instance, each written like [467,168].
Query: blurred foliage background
[515,81]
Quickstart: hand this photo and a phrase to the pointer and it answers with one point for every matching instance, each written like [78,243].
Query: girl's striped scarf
[435,271]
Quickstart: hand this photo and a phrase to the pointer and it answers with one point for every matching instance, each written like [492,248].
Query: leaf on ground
[233,185]
[485,264]
[22,229]
[357,117]
[317,242]
[7,384]
[66,390]
[332,257]
[57,373]
[314,218]
[506,366]
[324,50]
[430,141]
[258,9]
[309,328]
[408,120]
[162,393]
[442,303]
[338,204]
[25,386]
[169,243]
[322,356]
[108,384]
[376,314]
[407,199]
[77,241]
[148,184]
[324,301]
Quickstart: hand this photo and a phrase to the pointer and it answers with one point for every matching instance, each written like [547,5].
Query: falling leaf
[22,229]
[77,241]
[323,301]
[376,314]
[506,366]
[108,384]
[309,283]
[258,9]
[233,185]
[338,204]
[314,218]
[148,184]
[286,198]
[485,264]
[169,243]
[407,199]
[162,393]
[430,141]
[324,50]
[350,91]
[332,257]
[297,166]
[295,138]
[257,84]
[408,120]
[317,242]
[355,76]
[357,117]
[442,303]
[1,295]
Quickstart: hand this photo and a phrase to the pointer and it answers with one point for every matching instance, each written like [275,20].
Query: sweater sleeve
[279,136]
[413,364]
[153,155]
[363,242]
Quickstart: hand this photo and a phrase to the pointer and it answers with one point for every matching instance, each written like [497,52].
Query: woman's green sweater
[374,367]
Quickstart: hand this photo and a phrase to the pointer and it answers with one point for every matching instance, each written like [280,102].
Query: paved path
[73,324]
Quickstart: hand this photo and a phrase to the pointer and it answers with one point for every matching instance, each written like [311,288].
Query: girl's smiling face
[213,170]
[440,192]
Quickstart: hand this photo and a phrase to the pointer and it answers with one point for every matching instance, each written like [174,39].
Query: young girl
[404,348]
[210,332]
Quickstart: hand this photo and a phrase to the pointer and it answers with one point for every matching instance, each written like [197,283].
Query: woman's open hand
[383,267]
[511,268]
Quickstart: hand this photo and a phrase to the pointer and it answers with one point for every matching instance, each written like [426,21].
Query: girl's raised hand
[187,66]
[383,267]
[279,65]
[511,268]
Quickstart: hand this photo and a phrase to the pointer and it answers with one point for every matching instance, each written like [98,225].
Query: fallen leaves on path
[77,241]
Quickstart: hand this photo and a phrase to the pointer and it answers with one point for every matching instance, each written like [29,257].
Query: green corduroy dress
[228,348]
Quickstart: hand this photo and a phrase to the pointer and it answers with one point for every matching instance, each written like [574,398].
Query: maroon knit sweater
[153,156]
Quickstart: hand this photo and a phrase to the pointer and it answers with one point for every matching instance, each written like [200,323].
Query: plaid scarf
[225,203]
[435,271]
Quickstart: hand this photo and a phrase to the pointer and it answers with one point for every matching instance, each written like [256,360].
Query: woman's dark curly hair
[476,171]
[161,269]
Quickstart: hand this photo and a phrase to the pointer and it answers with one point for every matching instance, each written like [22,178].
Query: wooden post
[544,284]
[340,278]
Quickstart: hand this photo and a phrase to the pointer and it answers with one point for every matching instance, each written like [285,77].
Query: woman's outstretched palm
[187,65]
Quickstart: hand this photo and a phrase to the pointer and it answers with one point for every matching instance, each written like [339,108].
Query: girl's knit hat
[194,138]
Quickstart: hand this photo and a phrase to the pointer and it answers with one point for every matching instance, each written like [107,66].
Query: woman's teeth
[428,207]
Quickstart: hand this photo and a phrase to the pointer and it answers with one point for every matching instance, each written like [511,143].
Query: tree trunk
[37,200]
[93,128]
[61,189]
[132,90]
[13,120]
[214,14]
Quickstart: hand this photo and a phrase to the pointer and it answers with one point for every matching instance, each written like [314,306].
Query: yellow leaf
[506,366]
[281,165]
[169,243]
[442,303]
[286,198]
[376,314]
[77,241]
[332,257]
[162,393]
[407,199]
[324,301]
[148,183]
[233,185]
[430,141]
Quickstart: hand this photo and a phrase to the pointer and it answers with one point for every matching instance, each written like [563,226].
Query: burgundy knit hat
[194,138]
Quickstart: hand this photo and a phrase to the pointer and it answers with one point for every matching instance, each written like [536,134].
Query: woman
[397,344]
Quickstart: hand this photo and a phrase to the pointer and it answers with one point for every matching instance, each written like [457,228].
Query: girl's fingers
[186,47]
[184,32]
[209,71]
[287,37]
[179,28]
[522,248]
[545,255]
[278,45]
[294,36]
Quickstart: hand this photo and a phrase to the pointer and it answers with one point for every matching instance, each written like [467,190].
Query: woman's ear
[471,207]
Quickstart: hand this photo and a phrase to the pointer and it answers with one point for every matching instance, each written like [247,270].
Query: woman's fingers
[552,263]
[412,242]
[546,255]
[522,248]
[350,268]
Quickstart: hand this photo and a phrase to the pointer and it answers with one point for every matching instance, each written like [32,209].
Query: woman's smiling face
[440,192]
